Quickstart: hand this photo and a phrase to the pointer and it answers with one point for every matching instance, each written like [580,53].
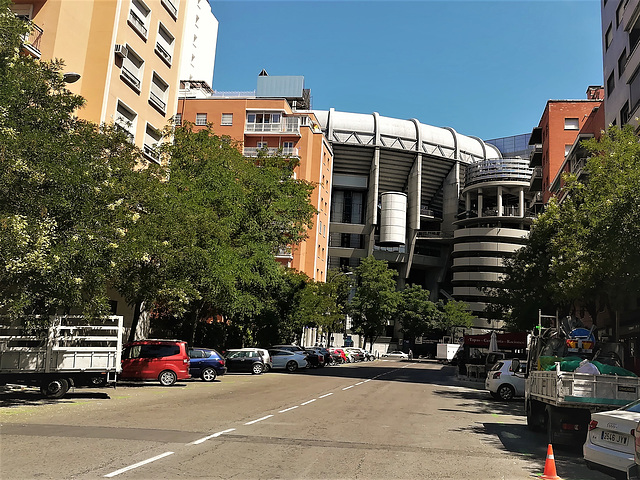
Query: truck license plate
[614,438]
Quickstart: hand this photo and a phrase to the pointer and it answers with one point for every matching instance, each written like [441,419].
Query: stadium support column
[372,200]
[450,198]
[521,202]
[414,199]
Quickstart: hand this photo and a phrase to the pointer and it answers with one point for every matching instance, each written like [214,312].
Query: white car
[503,383]
[290,361]
[396,354]
[610,442]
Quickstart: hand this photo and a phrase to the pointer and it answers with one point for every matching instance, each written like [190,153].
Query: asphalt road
[372,420]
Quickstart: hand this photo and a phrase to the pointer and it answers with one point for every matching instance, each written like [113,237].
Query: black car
[244,361]
[315,357]
[206,364]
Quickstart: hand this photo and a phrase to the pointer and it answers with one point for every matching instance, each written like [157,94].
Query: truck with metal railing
[561,401]
[60,352]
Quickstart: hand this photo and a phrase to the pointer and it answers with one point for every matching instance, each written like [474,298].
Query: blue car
[206,364]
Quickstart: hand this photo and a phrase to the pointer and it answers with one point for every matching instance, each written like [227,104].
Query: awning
[505,340]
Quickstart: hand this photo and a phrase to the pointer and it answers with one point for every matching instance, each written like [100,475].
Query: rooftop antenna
[263,73]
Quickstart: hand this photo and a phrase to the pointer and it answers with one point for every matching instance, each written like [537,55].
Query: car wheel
[167,378]
[208,374]
[292,366]
[506,392]
[55,388]
[257,369]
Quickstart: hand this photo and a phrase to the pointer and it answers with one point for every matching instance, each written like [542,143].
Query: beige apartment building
[126,52]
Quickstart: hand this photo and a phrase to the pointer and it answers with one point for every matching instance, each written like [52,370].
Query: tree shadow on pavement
[481,403]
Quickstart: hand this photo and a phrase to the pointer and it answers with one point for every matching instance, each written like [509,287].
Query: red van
[164,360]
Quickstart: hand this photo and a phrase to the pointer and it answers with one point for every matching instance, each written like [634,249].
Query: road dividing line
[347,388]
[308,402]
[287,409]
[212,436]
[139,464]
[359,383]
[368,380]
[325,395]
[258,420]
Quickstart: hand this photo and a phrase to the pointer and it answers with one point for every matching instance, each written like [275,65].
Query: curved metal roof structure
[354,138]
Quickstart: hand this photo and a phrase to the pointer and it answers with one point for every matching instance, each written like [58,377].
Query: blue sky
[485,68]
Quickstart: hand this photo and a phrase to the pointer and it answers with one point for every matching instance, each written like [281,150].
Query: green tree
[418,315]
[375,301]
[454,314]
[67,189]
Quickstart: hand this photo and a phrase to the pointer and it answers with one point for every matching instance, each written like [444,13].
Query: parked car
[244,361]
[290,361]
[290,348]
[610,445]
[266,358]
[339,353]
[164,360]
[206,364]
[503,383]
[357,353]
[315,357]
[396,354]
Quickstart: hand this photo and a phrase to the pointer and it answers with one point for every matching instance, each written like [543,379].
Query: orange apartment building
[126,52]
[276,117]
[553,138]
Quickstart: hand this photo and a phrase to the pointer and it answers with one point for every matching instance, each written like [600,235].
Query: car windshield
[632,407]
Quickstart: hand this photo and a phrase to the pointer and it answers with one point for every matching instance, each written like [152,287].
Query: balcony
[293,129]
[151,153]
[31,40]
[536,179]
[498,169]
[157,102]
[433,234]
[163,54]
[129,77]
[171,8]
[284,253]
[137,24]
[285,152]
[535,159]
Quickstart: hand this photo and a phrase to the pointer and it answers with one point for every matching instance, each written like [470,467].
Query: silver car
[290,361]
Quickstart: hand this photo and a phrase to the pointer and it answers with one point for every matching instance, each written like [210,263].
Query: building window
[152,139]
[264,122]
[132,68]
[177,119]
[158,93]
[572,124]
[288,148]
[567,149]
[139,17]
[624,113]
[608,37]
[611,83]
[227,119]
[634,36]
[172,7]
[125,120]
[620,12]
[164,44]
[622,62]
[201,118]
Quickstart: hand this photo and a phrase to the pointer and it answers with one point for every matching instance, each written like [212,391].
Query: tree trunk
[136,318]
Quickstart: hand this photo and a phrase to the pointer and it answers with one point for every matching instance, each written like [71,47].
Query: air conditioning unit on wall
[121,51]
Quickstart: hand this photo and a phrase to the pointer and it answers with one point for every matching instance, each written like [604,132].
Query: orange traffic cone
[550,466]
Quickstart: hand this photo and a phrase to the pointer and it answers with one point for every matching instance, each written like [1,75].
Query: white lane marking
[258,420]
[287,409]
[212,436]
[368,380]
[139,464]
[347,388]
[308,402]
[325,395]
[359,383]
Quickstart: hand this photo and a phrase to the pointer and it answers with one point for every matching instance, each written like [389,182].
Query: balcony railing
[136,22]
[433,234]
[284,252]
[285,152]
[272,128]
[163,53]
[124,127]
[168,4]
[151,153]
[31,40]
[157,101]
[130,77]
[499,169]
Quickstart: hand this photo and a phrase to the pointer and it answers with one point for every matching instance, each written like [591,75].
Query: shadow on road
[32,397]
